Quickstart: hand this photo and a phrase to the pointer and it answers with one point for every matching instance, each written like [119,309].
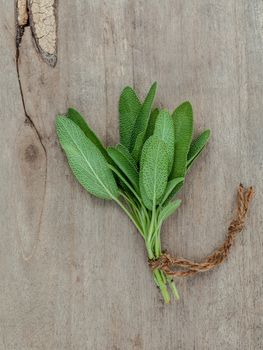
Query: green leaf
[183,127]
[127,154]
[145,149]
[145,199]
[172,184]
[168,210]
[175,190]
[151,123]
[122,149]
[124,182]
[138,146]
[85,160]
[129,108]
[154,168]
[197,147]
[125,166]
[140,127]
[77,118]
[164,130]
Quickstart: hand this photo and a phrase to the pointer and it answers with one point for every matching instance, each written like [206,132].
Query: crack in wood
[30,121]
[40,15]
[32,170]
[28,118]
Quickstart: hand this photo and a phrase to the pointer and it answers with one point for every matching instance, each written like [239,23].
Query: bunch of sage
[142,173]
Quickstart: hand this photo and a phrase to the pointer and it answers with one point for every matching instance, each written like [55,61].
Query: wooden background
[73,270]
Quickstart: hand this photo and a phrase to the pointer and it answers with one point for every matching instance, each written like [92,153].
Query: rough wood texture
[73,270]
[40,15]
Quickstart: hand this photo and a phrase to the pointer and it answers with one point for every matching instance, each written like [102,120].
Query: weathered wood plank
[73,269]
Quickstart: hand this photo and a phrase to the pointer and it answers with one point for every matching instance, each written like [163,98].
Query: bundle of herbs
[144,172]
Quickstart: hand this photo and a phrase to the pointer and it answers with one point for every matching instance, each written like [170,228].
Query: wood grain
[73,269]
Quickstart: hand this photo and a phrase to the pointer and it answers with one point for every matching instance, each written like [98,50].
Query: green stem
[159,281]
[157,248]
[150,230]
[173,288]
[159,277]
[129,215]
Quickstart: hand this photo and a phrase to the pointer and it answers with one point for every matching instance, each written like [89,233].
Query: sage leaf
[127,154]
[151,123]
[140,126]
[123,181]
[85,160]
[125,165]
[197,147]
[164,130]
[172,184]
[154,170]
[145,199]
[129,107]
[183,127]
[138,146]
[147,145]
[77,118]
[168,210]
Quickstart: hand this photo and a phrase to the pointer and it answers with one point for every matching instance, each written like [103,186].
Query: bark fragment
[40,15]
[22,14]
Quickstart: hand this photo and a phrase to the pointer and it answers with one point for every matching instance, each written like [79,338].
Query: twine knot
[168,263]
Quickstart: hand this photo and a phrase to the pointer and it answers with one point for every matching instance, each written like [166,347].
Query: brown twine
[168,263]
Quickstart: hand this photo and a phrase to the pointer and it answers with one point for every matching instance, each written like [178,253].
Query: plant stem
[150,230]
[129,215]
[159,277]
[159,281]
[173,287]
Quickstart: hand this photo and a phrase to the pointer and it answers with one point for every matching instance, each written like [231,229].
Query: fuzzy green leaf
[123,181]
[125,165]
[77,118]
[168,210]
[151,123]
[146,200]
[164,130]
[183,127]
[138,146]
[127,154]
[85,160]
[154,168]
[197,146]
[146,146]
[141,124]
[129,108]
[171,186]
[174,191]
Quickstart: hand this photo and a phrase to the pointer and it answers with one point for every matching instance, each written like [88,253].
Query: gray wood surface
[73,270]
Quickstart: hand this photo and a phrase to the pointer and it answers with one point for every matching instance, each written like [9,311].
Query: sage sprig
[143,173]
